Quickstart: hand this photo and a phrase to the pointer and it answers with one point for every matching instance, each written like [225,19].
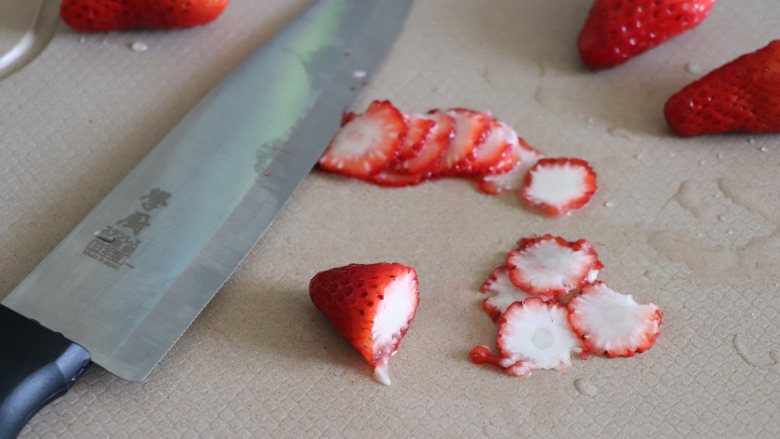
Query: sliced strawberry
[433,147]
[502,293]
[496,154]
[522,159]
[471,127]
[370,305]
[552,266]
[419,127]
[532,334]
[613,324]
[558,186]
[390,177]
[367,143]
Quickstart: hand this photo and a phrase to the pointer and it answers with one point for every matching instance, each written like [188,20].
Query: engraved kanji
[111,247]
[136,222]
[154,199]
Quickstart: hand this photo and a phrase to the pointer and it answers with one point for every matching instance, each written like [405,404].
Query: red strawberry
[557,186]
[367,143]
[552,266]
[111,15]
[370,305]
[391,177]
[432,149]
[532,334]
[471,127]
[613,324]
[618,30]
[741,96]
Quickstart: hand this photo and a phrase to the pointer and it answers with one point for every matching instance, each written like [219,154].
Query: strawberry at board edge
[107,16]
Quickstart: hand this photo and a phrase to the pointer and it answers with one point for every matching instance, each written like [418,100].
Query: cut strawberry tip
[556,186]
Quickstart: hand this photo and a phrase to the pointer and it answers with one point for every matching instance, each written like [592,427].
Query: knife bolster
[37,366]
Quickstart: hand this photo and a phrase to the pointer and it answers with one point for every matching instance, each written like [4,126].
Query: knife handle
[37,366]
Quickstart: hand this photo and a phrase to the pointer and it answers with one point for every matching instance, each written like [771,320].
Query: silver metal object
[133,275]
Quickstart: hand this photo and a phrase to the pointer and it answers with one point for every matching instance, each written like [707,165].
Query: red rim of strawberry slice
[432,148]
[556,186]
[551,266]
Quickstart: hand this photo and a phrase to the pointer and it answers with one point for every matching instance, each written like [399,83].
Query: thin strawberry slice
[367,143]
[557,186]
[522,159]
[390,177]
[613,324]
[471,127]
[532,334]
[496,154]
[502,293]
[433,147]
[370,305]
[552,266]
[419,127]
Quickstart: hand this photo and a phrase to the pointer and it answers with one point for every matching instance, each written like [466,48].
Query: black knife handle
[37,366]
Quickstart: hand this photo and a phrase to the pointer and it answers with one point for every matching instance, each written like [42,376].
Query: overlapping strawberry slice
[539,329]
[457,142]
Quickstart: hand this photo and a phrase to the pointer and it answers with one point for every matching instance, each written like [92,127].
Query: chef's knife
[126,283]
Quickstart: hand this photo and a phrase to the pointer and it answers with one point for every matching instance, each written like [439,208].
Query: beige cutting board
[689,224]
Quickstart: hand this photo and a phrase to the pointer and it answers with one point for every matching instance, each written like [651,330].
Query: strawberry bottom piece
[613,324]
[371,306]
[532,335]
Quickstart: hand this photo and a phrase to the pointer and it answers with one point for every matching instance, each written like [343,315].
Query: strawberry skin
[371,305]
[741,96]
[618,30]
[114,15]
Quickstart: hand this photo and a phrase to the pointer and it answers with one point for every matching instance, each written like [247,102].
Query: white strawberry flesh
[391,321]
[558,186]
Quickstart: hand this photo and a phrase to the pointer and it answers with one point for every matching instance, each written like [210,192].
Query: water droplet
[721,217]
[700,235]
[82,39]
[719,155]
[585,387]
[359,74]
[638,156]
[701,163]
[609,204]
[622,133]
[751,141]
[139,46]
[693,69]
[730,232]
[591,120]
[763,149]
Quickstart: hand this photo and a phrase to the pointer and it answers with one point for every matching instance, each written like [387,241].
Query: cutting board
[688,224]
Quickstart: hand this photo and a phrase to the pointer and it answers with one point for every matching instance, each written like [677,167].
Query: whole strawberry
[741,96]
[618,30]
[370,305]
[112,15]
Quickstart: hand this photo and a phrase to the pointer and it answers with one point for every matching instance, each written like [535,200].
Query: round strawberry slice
[613,324]
[432,148]
[532,335]
[501,293]
[370,305]
[522,159]
[419,127]
[367,143]
[471,127]
[552,266]
[496,154]
[557,186]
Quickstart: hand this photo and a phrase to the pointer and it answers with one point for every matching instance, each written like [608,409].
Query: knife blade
[132,276]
